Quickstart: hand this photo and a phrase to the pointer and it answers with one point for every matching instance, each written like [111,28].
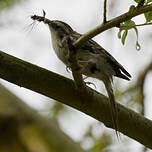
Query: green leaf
[148,16]
[138,47]
[130,24]
[136,30]
[124,37]
[126,26]
[132,8]
[119,33]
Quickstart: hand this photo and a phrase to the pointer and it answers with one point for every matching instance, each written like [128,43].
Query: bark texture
[63,90]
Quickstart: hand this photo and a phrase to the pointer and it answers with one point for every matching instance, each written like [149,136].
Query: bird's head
[59,28]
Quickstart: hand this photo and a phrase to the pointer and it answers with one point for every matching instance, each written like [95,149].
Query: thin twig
[123,27]
[105,12]
[112,23]
[101,28]
[143,24]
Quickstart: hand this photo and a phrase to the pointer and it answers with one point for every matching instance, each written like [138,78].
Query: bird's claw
[91,83]
[68,68]
[85,78]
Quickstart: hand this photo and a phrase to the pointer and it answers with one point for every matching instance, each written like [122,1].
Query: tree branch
[22,122]
[63,90]
[113,23]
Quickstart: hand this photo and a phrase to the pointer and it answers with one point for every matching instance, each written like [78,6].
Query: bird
[93,59]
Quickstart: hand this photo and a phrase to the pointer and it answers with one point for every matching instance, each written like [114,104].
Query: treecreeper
[94,60]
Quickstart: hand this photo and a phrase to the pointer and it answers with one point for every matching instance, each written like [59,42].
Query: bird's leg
[85,63]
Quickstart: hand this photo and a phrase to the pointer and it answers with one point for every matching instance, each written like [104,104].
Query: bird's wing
[95,48]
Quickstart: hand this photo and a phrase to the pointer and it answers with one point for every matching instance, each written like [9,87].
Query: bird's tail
[113,107]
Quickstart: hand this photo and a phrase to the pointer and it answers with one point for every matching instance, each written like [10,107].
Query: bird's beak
[47,21]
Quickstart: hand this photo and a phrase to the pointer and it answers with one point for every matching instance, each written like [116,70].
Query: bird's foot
[89,83]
